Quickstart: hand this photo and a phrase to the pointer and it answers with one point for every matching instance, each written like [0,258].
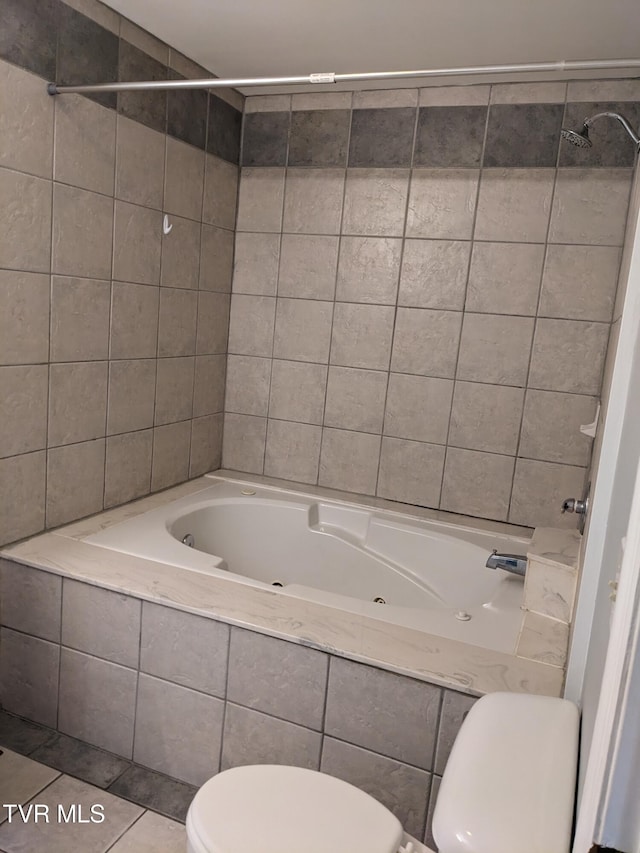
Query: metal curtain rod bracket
[331,77]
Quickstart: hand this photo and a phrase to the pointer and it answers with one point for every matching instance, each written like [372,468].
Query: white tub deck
[360,629]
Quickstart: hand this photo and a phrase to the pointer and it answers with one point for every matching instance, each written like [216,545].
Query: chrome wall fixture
[562,66]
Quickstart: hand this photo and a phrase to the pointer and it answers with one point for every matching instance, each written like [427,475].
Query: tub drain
[379,600]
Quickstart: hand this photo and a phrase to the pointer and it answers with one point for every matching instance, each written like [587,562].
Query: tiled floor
[41,767]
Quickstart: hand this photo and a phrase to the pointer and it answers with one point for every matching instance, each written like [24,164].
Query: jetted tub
[422,574]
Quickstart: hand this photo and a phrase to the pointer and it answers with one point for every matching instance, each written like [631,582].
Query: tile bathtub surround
[262,699]
[415,311]
[112,337]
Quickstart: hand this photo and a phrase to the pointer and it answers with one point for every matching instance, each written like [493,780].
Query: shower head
[580,138]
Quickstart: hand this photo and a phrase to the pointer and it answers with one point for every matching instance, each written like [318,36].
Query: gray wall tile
[139,163]
[355,399]
[302,330]
[368,269]
[170,461]
[25,222]
[220,191]
[313,201]
[184,648]
[551,427]
[442,203]
[184,180]
[523,134]
[375,202]
[132,389]
[137,244]
[251,325]
[174,390]
[23,391]
[382,137]
[434,274]
[29,676]
[389,714]
[82,233]
[216,259]
[97,702]
[455,707]
[450,136]
[134,321]
[189,752]
[579,282]
[177,322]
[495,348]
[180,255]
[83,465]
[279,678]
[418,407]
[504,278]
[349,461]
[514,205]
[255,267]
[260,200]
[248,384]
[318,137]
[100,622]
[85,148]
[568,355]
[244,443]
[208,390]
[77,402]
[410,471]
[425,342]
[265,139]
[26,126]
[486,417]
[308,266]
[404,790]
[206,444]
[292,451]
[24,317]
[464,487]
[30,600]
[79,319]
[253,738]
[362,335]
[128,467]
[22,495]
[539,489]
[297,391]
[590,206]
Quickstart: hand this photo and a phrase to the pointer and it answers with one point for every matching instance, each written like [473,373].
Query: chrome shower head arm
[623,121]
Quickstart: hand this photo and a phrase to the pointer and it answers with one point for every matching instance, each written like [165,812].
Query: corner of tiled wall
[423,292]
[113,337]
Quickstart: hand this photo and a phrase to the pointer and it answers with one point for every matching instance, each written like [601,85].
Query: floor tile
[155,791]
[22,735]
[61,837]
[21,779]
[151,834]
[78,759]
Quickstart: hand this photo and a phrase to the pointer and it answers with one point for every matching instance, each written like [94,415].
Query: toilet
[508,787]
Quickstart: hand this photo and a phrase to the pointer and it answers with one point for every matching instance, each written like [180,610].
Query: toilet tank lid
[280,809]
[509,783]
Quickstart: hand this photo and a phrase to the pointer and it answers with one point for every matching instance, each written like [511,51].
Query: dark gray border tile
[319,137]
[612,145]
[265,138]
[187,113]
[22,736]
[523,135]
[77,758]
[224,130]
[382,137]
[87,53]
[450,136]
[148,108]
[29,34]
[154,791]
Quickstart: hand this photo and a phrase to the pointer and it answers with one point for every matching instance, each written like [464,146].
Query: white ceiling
[256,38]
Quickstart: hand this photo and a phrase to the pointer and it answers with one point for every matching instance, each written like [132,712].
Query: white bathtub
[422,574]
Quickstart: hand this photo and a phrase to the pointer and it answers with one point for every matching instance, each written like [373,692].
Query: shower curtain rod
[331,77]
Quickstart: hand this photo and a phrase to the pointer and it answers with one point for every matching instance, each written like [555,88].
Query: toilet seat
[280,809]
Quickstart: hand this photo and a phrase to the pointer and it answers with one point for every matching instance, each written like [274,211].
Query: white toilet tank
[509,784]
